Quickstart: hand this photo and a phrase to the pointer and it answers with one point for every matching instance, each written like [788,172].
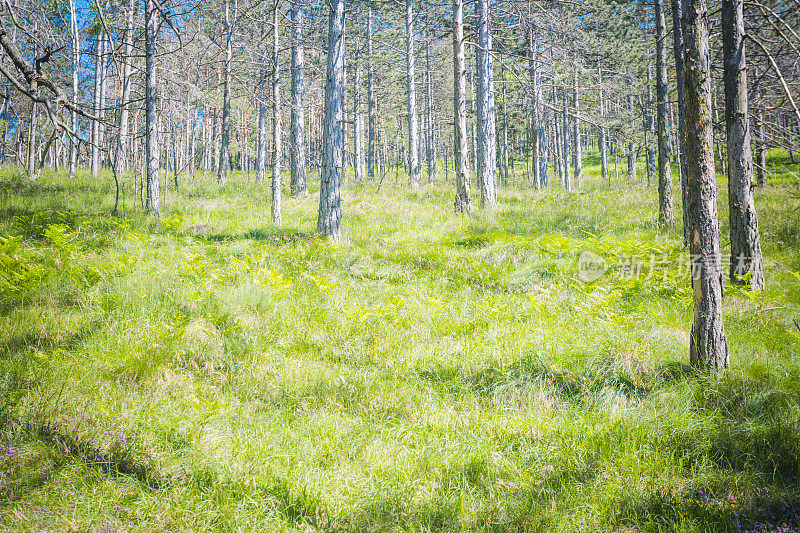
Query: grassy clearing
[211,372]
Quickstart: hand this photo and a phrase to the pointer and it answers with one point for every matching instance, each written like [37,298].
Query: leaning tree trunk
[708,345]
[151,120]
[224,155]
[413,131]
[460,110]
[487,141]
[745,267]
[665,211]
[330,210]
[297,141]
[677,39]
[277,123]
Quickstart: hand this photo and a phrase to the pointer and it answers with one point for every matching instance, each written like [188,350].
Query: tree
[486,142]
[224,154]
[277,123]
[460,110]
[413,131]
[330,210]
[298,134]
[708,345]
[665,211]
[745,267]
[151,119]
[677,40]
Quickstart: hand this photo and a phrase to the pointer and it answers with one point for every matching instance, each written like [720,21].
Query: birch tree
[462,203]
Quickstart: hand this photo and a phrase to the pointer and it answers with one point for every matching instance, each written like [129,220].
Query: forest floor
[208,371]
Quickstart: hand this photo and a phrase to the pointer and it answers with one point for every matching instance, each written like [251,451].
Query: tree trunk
[761,142]
[127,80]
[330,211]
[677,39]
[665,211]
[601,132]
[745,267]
[413,132]
[487,142]
[151,120]
[708,346]
[76,61]
[577,163]
[462,203]
[565,136]
[96,108]
[277,123]
[224,155]
[431,131]
[370,102]
[359,164]
[297,142]
[261,148]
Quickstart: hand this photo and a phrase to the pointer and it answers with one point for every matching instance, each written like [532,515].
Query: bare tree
[297,141]
[462,203]
[487,141]
[413,129]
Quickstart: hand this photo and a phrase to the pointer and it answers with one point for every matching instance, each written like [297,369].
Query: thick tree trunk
[665,210]
[370,102]
[708,345]
[224,154]
[330,211]
[677,36]
[462,203]
[277,122]
[151,120]
[487,140]
[413,131]
[745,267]
[298,147]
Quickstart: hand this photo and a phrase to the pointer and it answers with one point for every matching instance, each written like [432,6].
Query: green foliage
[434,372]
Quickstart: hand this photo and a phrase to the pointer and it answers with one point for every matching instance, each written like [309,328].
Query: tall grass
[208,371]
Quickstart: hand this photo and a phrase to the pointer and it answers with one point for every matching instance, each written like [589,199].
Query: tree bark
[298,147]
[413,131]
[565,136]
[370,101]
[666,214]
[487,140]
[224,154]
[745,267]
[127,80]
[677,39]
[462,203]
[601,132]
[708,345]
[330,212]
[151,119]
[277,122]
[359,163]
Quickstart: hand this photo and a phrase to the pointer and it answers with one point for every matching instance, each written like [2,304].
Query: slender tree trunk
[677,36]
[601,132]
[487,141]
[76,61]
[504,148]
[413,131]
[151,127]
[708,345]
[3,145]
[633,150]
[565,140]
[370,101]
[761,142]
[462,203]
[261,148]
[330,211]
[577,162]
[96,108]
[297,141]
[431,131]
[745,267]
[224,153]
[359,164]
[277,122]
[127,80]
[649,129]
[665,210]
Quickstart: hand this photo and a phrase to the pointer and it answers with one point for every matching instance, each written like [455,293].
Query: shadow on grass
[275,236]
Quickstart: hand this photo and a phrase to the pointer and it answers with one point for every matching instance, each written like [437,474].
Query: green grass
[209,371]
